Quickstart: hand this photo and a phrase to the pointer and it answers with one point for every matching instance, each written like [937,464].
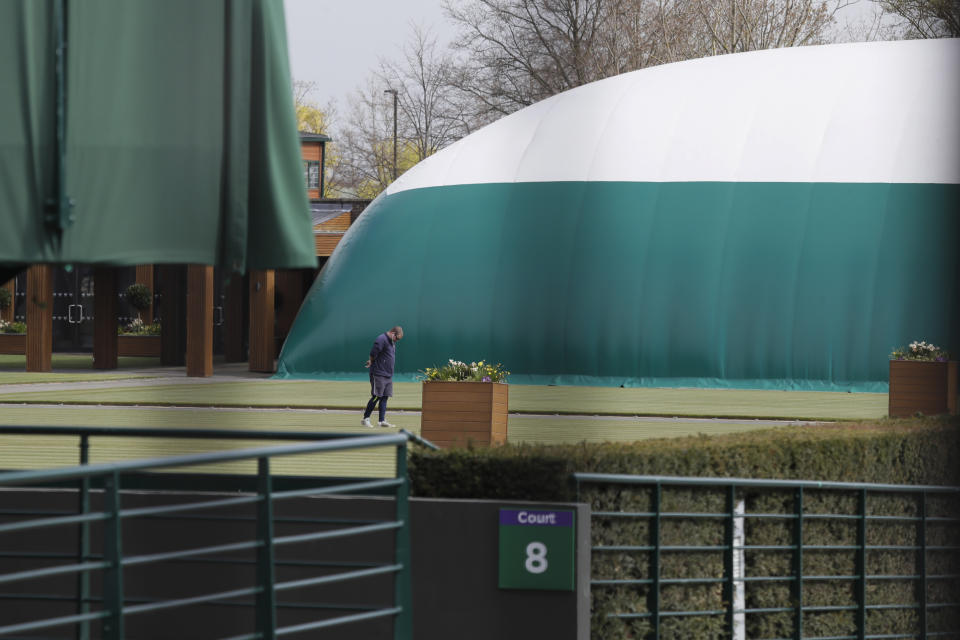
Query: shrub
[456,371]
[138,328]
[12,327]
[139,296]
[6,298]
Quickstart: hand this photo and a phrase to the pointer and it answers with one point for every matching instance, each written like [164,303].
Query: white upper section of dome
[865,112]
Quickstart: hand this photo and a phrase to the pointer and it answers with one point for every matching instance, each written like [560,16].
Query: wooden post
[173,334]
[199,320]
[39,317]
[105,318]
[7,314]
[144,276]
[234,319]
[262,348]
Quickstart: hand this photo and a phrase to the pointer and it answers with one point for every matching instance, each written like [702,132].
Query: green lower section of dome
[776,285]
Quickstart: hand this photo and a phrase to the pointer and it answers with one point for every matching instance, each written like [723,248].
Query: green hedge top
[914,451]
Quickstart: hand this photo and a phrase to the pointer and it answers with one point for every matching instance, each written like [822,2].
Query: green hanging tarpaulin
[180,141]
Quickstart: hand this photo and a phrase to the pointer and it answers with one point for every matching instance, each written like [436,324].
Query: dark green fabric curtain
[181,143]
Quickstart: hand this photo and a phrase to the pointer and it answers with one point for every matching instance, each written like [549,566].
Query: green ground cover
[26,452]
[727,403]
[12,369]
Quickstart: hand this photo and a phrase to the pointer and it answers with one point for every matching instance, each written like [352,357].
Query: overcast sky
[337,43]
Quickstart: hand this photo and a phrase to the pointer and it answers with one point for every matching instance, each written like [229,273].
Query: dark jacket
[382,356]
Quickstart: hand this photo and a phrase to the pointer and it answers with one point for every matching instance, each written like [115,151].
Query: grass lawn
[729,403]
[12,369]
[540,414]
[27,452]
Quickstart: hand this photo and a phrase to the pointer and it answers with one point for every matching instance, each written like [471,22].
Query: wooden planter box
[455,413]
[929,388]
[144,346]
[13,343]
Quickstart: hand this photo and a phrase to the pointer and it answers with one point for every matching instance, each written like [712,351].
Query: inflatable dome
[773,219]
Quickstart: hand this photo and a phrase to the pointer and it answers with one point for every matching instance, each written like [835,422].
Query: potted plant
[923,379]
[465,403]
[13,337]
[139,339]
[139,297]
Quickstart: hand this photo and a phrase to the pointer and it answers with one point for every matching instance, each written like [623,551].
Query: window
[311,174]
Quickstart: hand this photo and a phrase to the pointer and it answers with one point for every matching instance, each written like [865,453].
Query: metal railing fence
[111,607]
[736,556]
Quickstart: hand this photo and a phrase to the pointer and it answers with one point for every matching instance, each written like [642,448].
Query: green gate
[677,557]
[100,595]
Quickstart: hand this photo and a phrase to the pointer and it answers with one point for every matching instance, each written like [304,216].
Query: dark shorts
[381,386]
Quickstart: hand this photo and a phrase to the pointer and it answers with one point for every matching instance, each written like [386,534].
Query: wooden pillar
[105,318]
[39,317]
[144,276]
[7,314]
[199,320]
[262,348]
[234,319]
[172,287]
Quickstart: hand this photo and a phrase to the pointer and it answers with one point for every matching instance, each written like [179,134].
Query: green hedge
[919,451]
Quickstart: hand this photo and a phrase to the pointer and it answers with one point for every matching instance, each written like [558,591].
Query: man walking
[380,363]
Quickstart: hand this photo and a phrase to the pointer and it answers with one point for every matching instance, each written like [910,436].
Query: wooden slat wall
[199,320]
[105,318]
[7,314]
[144,276]
[262,346]
[457,412]
[340,223]
[929,388]
[310,151]
[326,243]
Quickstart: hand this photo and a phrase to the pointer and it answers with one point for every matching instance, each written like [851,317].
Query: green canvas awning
[180,142]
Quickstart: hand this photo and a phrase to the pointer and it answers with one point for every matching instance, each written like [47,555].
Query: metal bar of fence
[861,619]
[923,565]
[159,605]
[112,551]
[82,631]
[266,604]
[798,564]
[403,596]
[655,559]
[337,577]
[357,617]
[52,571]
[728,559]
[52,522]
[747,483]
[330,622]
[52,622]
